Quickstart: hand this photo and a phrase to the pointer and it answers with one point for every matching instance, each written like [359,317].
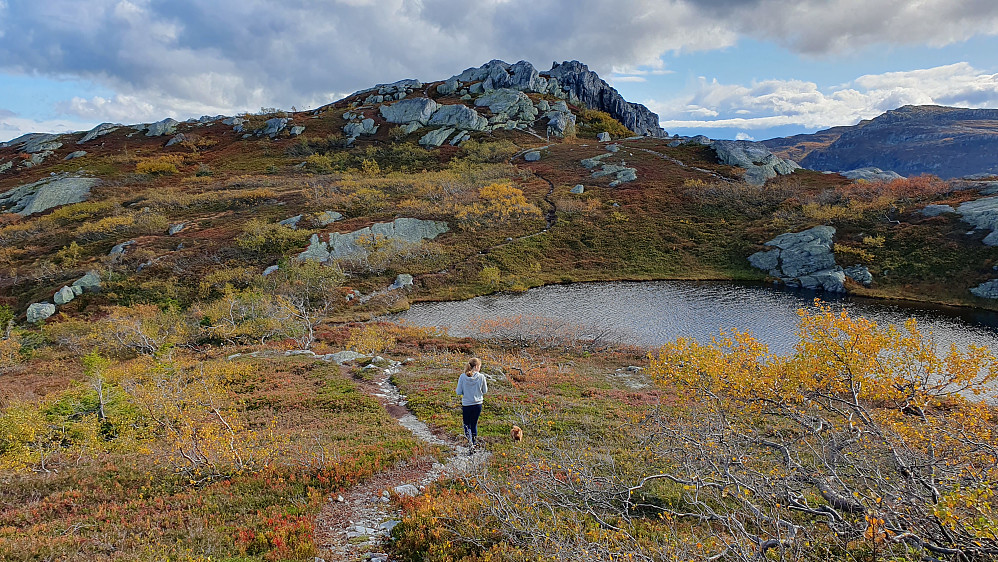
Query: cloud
[6,113]
[192,57]
[774,103]
[742,135]
[13,126]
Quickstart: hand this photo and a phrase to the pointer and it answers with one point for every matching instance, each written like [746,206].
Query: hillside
[949,142]
[190,369]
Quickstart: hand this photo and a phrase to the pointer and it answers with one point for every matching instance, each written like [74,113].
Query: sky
[750,69]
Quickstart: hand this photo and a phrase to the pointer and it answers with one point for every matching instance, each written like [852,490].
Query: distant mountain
[949,142]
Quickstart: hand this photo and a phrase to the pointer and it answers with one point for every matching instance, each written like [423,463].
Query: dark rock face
[949,142]
[595,93]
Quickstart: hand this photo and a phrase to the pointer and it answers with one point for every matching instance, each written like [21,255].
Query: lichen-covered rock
[47,193]
[63,296]
[401,280]
[291,222]
[759,163]
[603,137]
[297,130]
[532,156]
[590,163]
[512,103]
[326,218]
[936,210]
[560,123]
[448,87]
[860,274]
[578,189]
[272,127]
[803,259]
[175,228]
[99,131]
[871,173]
[91,282]
[6,166]
[354,129]
[160,128]
[982,214]
[177,139]
[436,137]
[986,290]
[75,154]
[348,245]
[39,311]
[458,116]
[408,110]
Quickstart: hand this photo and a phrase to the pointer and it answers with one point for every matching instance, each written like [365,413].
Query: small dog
[516,433]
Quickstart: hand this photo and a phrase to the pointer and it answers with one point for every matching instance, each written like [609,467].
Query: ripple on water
[656,312]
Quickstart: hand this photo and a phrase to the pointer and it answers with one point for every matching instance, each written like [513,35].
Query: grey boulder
[176,140]
[803,259]
[860,274]
[98,131]
[436,137]
[936,210]
[326,218]
[401,280]
[63,296]
[871,173]
[354,129]
[39,311]
[46,194]
[458,116]
[759,163]
[532,156]
[75,154]
[986,290]
[91,282]
[347,245]
[408,110]
[578,189]
[271,127]
[165,127]
[603,137]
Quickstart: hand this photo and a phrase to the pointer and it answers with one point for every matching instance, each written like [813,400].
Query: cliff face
[571,80]
[946,141]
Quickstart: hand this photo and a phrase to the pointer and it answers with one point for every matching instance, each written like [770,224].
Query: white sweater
[472,389]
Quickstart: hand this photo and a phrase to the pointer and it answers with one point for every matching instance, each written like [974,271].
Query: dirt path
[352,526]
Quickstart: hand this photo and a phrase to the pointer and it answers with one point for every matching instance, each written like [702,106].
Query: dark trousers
[470,415]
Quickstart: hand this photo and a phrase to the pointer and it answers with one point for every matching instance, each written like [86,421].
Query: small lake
[652,313]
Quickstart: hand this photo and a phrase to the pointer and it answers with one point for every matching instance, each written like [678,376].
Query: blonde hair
[475,363]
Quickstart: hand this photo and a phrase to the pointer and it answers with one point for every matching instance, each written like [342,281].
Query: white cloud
[224,56]
[742,135]
[626,79]
[774,103]
[13,127]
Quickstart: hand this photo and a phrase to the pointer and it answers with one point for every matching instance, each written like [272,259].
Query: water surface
[656,312]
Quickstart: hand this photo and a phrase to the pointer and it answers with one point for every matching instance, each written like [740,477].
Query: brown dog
[516,433]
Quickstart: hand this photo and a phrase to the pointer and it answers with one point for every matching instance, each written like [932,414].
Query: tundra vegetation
[160,418]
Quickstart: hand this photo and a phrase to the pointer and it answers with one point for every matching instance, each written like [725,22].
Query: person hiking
[472,387]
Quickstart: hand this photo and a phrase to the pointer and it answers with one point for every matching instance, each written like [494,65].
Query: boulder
[42,195]
[860,274]
[458,116]
[982,214]
[41,143]
[401,280]
[436,137]
[803,259]
[98,131]
[936,210]
[6,166]
[532,156]
[118,250]
[177,139]
[408,110]
[346,245]
[272,127]
[326,218]
[603,137]
[165,127]
[578,189]
[986,290]
[270,269]
[407,490]
[512,103]
[63,296]
[459,138]
[40,311]
[560,124]
[291,222]
[297,130]
[91,282]
[354,129]
[759,163]
[175,228]
[448,87]
[613,147]
[871,173]
[590,163]
[341,357]
[75,154]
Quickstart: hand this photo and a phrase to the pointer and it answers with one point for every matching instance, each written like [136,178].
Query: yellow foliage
[157,165]
[370,339]
[499,203]
[104,228]
[856,254]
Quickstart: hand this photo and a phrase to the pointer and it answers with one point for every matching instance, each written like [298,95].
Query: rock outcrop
[409,110]
[458,116]
[570,80]
[871,173]
[47,193]
[759,163]
[986,290]
[349,245]
[982,214]
[98,131]
[39,311]
[160,128]
[803,259]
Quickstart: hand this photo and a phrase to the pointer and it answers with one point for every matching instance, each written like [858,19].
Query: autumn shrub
[266,238]
[142,329]
[852,254]
[104,228]
[488,151]
[370,339]
[159,165]
[248,316]
[865,437]
[366,201]
[593,122]
[498,203]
